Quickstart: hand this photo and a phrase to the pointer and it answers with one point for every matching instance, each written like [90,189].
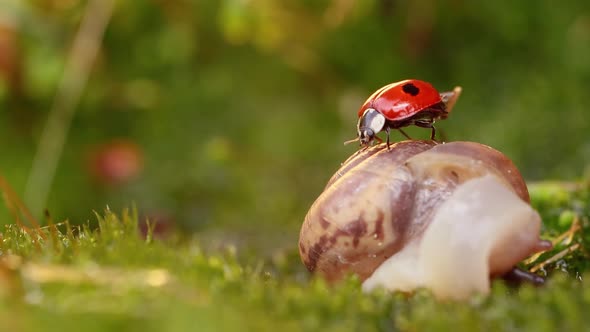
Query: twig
[568,236]
[16,205]
[82,55]
[555,258]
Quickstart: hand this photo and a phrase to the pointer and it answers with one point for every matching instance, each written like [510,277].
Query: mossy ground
[111,278]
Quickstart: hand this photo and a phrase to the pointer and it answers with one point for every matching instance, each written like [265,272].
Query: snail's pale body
[474,226]
[444,217]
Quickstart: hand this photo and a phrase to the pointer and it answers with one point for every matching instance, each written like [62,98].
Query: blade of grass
[16,208]
[82,55]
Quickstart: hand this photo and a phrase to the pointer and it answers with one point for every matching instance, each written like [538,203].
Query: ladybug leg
[404,133]
[388,130]
[427,124]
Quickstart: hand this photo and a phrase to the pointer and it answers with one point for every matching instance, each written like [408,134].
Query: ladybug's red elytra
[401,104]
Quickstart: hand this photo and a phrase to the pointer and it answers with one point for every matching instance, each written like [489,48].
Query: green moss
[564,207]
[111,278]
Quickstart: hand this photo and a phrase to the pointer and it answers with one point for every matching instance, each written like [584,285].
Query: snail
[423,215]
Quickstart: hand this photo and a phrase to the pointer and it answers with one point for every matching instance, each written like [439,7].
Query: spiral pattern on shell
[380,200]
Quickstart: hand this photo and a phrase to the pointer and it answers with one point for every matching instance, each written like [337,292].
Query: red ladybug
[401,104]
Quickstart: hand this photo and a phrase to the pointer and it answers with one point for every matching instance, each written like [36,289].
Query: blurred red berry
[116,163]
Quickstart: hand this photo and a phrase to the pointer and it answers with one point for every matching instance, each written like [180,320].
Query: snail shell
[376,212]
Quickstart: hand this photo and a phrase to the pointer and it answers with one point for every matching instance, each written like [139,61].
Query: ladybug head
[370,123]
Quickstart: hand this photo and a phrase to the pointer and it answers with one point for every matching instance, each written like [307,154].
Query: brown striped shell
[381,199]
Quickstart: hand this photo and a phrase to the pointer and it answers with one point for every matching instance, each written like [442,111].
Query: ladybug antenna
[351,141]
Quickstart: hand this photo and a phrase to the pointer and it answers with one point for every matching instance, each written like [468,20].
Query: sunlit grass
[71,278]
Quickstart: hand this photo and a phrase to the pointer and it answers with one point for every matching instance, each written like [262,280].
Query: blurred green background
[229,116]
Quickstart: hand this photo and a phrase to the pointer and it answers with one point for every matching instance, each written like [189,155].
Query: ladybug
[401,104]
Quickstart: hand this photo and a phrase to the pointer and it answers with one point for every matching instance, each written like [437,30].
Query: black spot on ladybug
[410,89]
